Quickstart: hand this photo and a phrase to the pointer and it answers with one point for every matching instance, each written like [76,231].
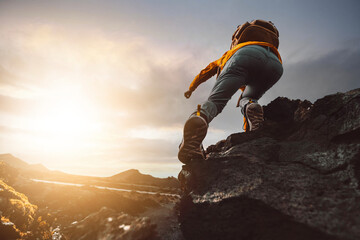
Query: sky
[96,87]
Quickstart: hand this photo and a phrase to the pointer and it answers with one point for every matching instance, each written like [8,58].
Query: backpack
[256,30]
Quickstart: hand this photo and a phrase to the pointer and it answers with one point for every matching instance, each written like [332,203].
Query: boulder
[295,178]
[109,224]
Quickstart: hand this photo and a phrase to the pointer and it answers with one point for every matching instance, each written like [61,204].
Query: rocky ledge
[297,177]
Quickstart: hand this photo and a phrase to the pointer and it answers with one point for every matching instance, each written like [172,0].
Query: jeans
[254,66]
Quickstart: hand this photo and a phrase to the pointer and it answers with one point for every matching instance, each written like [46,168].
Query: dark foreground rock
[111,225]
[295,178]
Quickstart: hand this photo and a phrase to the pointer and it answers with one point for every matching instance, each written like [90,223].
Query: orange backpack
[256,30]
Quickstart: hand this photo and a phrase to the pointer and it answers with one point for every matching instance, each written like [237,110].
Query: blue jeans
[254,66]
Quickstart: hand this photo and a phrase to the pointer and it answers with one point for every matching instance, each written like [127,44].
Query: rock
[111,225]
[295,178]
[8,230]
[166,219]
[19,217]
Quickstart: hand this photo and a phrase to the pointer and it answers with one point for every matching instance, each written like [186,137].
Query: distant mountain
[18,163]
[135,177]
[132,176]
[38,167]
[13,161]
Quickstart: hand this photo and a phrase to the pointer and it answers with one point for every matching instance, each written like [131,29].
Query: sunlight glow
[156,133]
[73,99]
[66,117]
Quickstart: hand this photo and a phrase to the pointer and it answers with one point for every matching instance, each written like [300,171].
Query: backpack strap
[236,36]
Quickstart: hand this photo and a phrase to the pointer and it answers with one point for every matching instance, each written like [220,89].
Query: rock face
[19,218]
[109,224]
[297,177]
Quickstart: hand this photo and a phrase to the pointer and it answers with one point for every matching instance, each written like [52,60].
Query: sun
[66,116]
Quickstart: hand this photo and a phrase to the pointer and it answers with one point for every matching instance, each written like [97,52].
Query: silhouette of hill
[134,176]
[128,175]
[18,163]
[124,179]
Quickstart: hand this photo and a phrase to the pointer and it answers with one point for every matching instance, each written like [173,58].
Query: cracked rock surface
[295,178]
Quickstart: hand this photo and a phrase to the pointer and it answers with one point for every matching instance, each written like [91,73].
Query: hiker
[253,64]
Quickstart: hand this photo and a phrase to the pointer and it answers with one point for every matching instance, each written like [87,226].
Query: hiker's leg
[248,66]
[195,130]
[266,73]
[233,76]
[230,80]
[221,93]
[265,76]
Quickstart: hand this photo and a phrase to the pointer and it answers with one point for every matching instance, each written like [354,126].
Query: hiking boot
[254,116]
[195,130]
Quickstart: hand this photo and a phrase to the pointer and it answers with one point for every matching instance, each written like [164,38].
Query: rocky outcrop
[109,224]
[297,177]
[19,219]
[40,210]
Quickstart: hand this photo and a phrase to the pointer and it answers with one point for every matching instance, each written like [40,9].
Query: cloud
[132,85]
[19,107]
[135,85]
[5,130]
[125,73]
[335,71]
[13,86]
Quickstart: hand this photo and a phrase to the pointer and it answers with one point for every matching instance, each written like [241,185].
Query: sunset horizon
[96,88]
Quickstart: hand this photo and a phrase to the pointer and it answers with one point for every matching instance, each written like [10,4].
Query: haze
[96,87]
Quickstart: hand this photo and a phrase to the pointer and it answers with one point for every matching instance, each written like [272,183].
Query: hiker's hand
[187,94]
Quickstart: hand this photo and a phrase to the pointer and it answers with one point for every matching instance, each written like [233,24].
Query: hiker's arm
[204,75]
[188,93]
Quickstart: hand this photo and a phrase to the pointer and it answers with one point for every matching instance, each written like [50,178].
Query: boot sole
[254,116]
[195,130]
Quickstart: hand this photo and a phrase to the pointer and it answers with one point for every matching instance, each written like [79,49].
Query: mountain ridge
[131,176]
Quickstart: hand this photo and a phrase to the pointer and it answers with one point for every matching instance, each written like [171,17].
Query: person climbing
[253,64]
